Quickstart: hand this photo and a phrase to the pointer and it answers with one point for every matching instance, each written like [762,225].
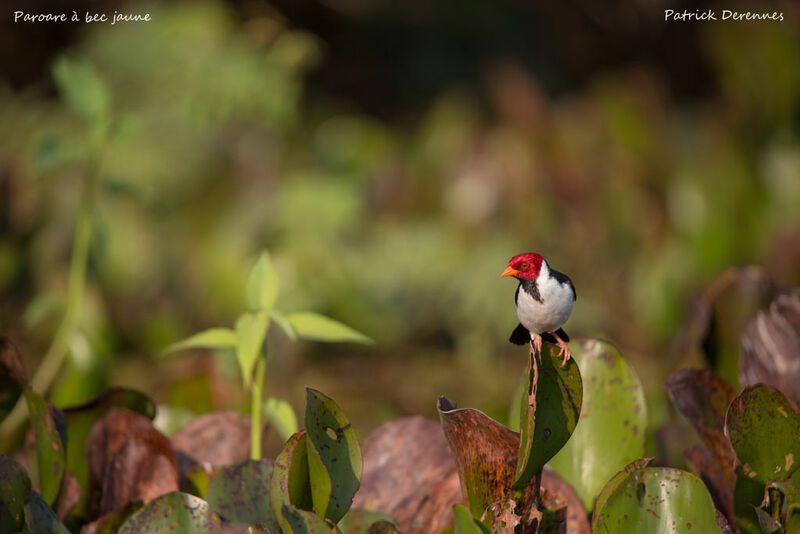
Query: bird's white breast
[554,310]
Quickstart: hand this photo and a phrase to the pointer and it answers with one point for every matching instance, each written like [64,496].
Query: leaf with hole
[612,425]
[549,413]
[333,437]
[316,327]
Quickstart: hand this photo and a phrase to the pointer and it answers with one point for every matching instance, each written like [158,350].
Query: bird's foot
[536,345]
[564,350]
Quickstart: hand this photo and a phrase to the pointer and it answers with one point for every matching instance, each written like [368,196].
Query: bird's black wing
[520,335]
[562,278]
[563,335]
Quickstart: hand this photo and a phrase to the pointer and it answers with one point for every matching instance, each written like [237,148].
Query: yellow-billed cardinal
[544,300]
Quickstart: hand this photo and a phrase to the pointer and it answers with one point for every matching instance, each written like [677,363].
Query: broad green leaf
[281,321]
[213,338]
[334,439]
[12,377]
[251,329]
[763,426]
[655,500]
[15,491]
[549,412]
[464,523]
[281,415]
[83,89]
[173,512]
[611,432]
[40,518]
[262,285]
[290,483]
[316,327]
[79,422]
[240,493]
[302,522]
[48,426]
[360,521]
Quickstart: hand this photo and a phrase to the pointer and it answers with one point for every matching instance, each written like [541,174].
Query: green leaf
[83,89]
[320,481]
[655,500]
[290,484]
[111,523]
[360,521]
[763,426]
[302,522]
[262,285]
[251,329]
[48,425]
[241,493]
[80,420]
[316,327]
[548,422]
[40,518]
[281,321]
[747,496]
[334,439]
[213,338]
[281,415]
[611,432]
[464,522]
[173,512]
[15,491]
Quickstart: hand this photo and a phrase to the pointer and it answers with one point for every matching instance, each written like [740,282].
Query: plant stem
[76,283]
[257,392]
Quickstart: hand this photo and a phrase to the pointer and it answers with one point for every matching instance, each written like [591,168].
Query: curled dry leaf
[703,398]
[771,346]
[410,475]
[219,438]
[128,460]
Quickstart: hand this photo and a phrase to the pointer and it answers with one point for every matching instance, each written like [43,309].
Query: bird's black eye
[524,266]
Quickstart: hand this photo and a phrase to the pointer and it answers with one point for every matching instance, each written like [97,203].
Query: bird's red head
[525,265]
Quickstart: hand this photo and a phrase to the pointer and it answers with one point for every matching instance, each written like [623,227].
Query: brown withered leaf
[410,475]
[218,438]
[70,495]
[485,453]
[703,398]
[124,450]
[12,376]
[771,346]
[137,471]
[703,464]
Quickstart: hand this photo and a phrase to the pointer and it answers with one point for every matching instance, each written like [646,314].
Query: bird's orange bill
[510,271]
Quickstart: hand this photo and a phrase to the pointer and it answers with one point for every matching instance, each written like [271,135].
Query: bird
[544,300]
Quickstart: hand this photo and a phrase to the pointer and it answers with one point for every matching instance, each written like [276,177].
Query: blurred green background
[392,158]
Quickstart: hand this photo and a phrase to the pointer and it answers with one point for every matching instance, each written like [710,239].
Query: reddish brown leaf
[771,346]
[703,398]
[485,453]
[703,464]
[219,438]
[557,492]
[410,475]
[71,494]
[128,460]
[11,360]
